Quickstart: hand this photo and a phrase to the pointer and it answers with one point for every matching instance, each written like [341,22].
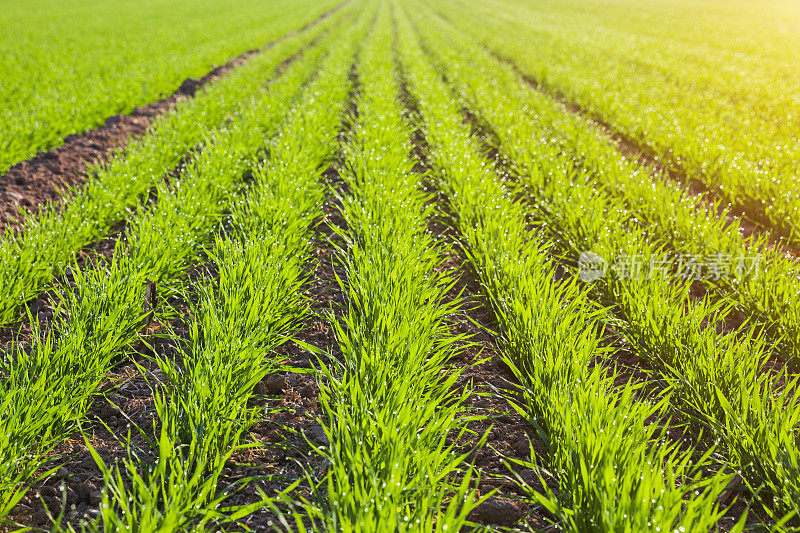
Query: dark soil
[509,436]
[49,176]
[293,427]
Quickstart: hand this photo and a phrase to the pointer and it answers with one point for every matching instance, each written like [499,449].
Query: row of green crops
[48,388]
[710,90]
[68,65]
[577,253]
[612,467]
[758,280]
[718,380]
[388,407]
[251,306]
[29,262]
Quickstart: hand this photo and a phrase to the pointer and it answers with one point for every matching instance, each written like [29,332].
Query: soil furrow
[98,252]
[48,177]
[509,435]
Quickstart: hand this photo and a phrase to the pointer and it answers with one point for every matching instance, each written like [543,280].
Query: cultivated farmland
[400,265]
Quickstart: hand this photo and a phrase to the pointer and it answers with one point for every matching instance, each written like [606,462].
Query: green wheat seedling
[253,305]
[614,470]
[388,408]
[30,261]
[104,312]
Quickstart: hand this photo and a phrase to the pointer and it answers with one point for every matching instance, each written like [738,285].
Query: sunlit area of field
[400,265]
[67,66]
[709,89]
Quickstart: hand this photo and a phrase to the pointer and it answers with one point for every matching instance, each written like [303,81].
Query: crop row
[69,66]
[687,105]
[718,380]
[50,386]
[29,262]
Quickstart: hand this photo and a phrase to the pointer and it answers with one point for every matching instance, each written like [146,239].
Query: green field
[67,66]
[708,88]
[414,266]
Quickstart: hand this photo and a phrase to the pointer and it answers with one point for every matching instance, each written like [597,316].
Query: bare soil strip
[509,436]
[292,425]
[48,176]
